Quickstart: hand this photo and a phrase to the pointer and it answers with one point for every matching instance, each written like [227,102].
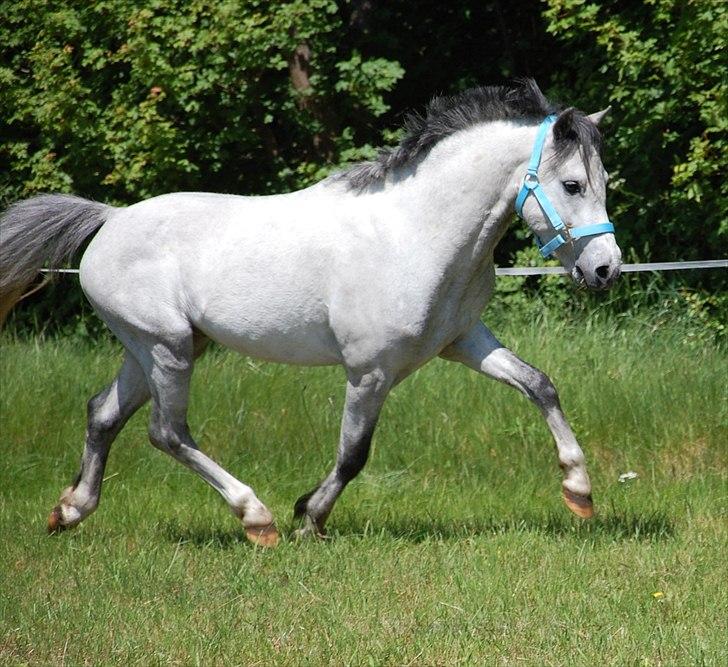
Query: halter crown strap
[543,130]
[531,184]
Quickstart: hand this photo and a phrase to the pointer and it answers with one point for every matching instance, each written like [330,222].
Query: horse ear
[564,125]
[597,117]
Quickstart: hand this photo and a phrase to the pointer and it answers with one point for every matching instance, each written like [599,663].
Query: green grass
[453,546]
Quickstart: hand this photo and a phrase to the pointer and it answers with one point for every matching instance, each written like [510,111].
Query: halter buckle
[530,180]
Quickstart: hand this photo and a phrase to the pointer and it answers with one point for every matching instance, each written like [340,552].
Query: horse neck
[460,197]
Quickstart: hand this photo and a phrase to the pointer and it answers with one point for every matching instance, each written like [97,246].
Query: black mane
[445,116]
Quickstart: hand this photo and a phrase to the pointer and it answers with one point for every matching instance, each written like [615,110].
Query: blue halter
[531,184]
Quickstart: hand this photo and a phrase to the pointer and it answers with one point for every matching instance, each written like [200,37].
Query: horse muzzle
[600,277]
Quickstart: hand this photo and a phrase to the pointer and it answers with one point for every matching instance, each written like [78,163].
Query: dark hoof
[582,506]
[55,521]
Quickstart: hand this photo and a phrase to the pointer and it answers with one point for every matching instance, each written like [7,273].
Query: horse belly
[291,337]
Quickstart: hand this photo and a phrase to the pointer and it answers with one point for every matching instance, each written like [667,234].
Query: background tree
[121,100]
[662,65]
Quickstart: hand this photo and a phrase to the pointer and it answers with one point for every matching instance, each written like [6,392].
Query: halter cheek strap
[531,185]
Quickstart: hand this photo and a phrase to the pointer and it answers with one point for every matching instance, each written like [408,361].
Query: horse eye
[572,187]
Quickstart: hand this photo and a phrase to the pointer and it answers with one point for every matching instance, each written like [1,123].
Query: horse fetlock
[64,516]
[577,481]
[251,512]
[300,507]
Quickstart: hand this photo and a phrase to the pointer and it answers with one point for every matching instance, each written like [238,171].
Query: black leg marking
[299,508]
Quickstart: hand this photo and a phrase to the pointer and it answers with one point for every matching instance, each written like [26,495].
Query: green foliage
[123,101]
[532,294]
[657,298]
[120,100]
[661,64]
[366,80]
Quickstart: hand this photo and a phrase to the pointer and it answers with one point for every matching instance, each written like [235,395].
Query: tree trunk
[299,67]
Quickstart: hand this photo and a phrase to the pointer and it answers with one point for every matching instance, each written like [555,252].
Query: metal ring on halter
[530,181]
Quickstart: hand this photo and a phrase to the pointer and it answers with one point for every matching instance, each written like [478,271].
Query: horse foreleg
[365,395]
[108,411]
[480,350]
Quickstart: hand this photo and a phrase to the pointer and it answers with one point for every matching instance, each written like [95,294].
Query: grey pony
[378,269]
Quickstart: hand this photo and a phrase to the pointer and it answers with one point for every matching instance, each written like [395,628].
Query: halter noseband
[531,184]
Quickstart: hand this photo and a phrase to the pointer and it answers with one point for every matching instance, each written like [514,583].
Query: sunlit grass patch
[452,547]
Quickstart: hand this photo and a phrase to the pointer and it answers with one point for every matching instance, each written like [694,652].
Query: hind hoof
[582,506]
[264,536]
[55,521]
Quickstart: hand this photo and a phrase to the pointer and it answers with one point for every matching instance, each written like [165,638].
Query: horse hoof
[306,533]
[582,506]
[264,536]
[55,521]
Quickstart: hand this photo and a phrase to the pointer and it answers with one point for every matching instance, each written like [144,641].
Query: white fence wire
[559,271]
[626,268]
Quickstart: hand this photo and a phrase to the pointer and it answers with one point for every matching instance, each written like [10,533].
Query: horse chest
[412,323]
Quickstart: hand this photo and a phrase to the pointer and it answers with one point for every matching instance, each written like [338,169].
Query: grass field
[453,546]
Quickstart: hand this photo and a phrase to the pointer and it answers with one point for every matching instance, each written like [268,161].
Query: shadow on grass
[654,526]
[618,526]
[204,536]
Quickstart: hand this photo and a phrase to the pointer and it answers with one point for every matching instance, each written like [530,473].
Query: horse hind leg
[168,367]
[108,411]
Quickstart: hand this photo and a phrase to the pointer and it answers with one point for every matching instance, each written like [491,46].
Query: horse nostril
[603,271]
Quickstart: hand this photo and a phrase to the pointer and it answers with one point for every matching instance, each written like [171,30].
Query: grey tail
[44,231]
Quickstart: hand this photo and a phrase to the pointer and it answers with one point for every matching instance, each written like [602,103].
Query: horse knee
[542,390]
[160,436]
